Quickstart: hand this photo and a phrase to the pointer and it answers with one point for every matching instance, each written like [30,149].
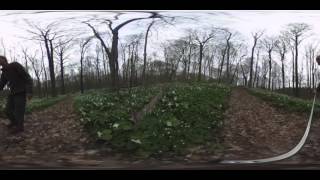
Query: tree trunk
[234,73]
[313,74]
[145,54]
[104,65]
[131,69]
[293,79]
[52,73]
[81,75]
[221,65]
[256,70]
[296,67]
[98,70]
[189,62]
[62,74]
[244,76]
[251,61]
[49,48]
[39,86]
[283,75]
[307,68]
[228,57]
[270,68]
[113,61]
[200,61]
[46,80]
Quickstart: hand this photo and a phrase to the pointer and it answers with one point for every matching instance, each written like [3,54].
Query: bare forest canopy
[71,51]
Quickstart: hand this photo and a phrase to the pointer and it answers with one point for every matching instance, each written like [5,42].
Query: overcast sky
[244,21]
[12,24]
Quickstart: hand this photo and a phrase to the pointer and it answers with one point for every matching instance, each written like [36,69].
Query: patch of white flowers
[110,104]
[99,134]
[136,141]
[115,125]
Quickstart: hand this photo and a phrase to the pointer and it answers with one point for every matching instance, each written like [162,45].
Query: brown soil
[254,129]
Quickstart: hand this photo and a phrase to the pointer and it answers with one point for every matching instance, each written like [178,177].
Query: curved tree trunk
[200,62]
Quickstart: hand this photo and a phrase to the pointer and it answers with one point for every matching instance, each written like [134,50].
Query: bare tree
[47,35]
[97,63]
[113,52]
[269,44]
[264,70]
[245,68]
[240,54]
[281,48]
[310,64]
[191,46]
[36,66]
[201,38]
[256,37]
[237,68]
[25,54]
[296,33]
[60,49]
[105,65]
[44,71]
[83,49]
[229,34]
[256,68]
[145,52]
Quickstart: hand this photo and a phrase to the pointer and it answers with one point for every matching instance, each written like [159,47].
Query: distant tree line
[206,54]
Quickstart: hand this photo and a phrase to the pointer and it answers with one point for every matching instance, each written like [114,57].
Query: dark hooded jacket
[17,79]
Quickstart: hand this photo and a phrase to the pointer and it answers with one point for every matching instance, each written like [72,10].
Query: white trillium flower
[169,123]
[99,134]
[136,141]
[115,125]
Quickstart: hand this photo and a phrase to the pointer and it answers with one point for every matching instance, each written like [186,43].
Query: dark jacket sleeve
[3,81]
[23,73]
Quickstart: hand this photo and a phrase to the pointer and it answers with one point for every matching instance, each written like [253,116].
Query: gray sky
[244,21]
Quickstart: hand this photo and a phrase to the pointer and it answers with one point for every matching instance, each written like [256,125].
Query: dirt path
[310,153]
[255,129]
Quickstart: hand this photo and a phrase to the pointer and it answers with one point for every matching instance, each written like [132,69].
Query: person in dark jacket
[20,83]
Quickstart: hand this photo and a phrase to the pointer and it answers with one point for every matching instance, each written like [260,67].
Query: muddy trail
[254,129]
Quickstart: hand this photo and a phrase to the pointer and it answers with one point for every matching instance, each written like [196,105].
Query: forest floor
[54,138]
